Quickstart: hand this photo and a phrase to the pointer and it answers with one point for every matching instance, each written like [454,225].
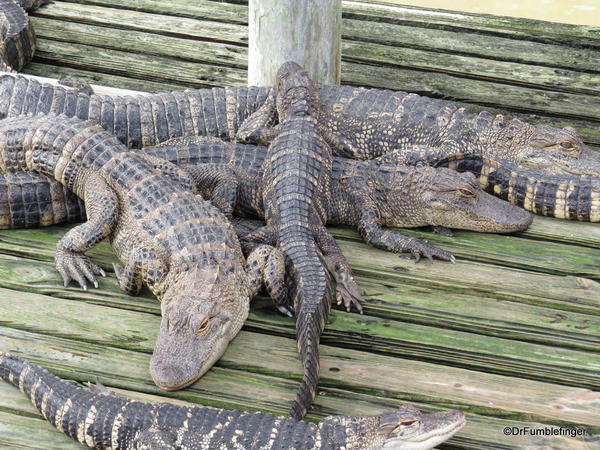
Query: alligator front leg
[101,206]
[392,241]
[259,128]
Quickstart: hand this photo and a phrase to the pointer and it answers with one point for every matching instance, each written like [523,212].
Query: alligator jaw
[435,428]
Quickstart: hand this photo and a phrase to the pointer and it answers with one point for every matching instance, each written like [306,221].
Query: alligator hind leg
[371,231]
[266,264]
[218,183]
[101,206]
[347,291]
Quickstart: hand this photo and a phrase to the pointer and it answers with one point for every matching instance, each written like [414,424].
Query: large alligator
[101,419]
[367,122]
[180,246]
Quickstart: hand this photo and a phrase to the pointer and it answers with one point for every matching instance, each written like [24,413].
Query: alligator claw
[347,290]
[73,266]
[419,249]
[285,310]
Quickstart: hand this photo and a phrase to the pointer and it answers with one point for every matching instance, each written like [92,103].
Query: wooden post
[305,31]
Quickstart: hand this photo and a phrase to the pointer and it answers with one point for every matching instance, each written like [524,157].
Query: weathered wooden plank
[568,293]
[144,43]
[341,369]
[416,304]
[196,28]
[512,28]
[229,388]
[411,34]
[104,79]
[580,233]
[28,432]
[508,250]
[416,341]
[147,42]
[483,93]
[198,9]
[469,67]
[144,67]
[516,28]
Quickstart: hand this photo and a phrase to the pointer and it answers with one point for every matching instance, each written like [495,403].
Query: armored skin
[101,419]
[296,178]
[166,237]
[364,123]
[18,37]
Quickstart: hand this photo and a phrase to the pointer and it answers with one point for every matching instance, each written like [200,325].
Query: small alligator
[100,418]
[180,246]
[575,197]
[296,178]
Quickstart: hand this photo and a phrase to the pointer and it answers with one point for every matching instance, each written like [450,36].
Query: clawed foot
[419,249]
[285,309]
[74,266]
[347,292]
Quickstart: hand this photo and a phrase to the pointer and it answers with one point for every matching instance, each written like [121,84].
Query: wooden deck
[509,334]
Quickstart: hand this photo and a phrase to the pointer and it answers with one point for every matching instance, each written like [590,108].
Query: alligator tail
[64,405]
[312,302]
[574,197]
[29,199]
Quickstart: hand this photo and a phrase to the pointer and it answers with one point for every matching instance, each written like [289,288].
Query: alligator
[18,37]
[296,178]
[575,197]
[167,237]
[362,192]
[99,418]
[366,122]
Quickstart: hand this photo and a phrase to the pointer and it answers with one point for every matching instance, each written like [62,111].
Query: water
[579,12]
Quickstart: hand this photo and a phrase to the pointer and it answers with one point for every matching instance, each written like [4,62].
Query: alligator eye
[409,422]
[203,326]
[465,192]
[567,145]
[405,423]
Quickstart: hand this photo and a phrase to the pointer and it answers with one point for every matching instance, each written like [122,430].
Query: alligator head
[295,91]
[442,197]
[202,311]
[541,147]
[402,428]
